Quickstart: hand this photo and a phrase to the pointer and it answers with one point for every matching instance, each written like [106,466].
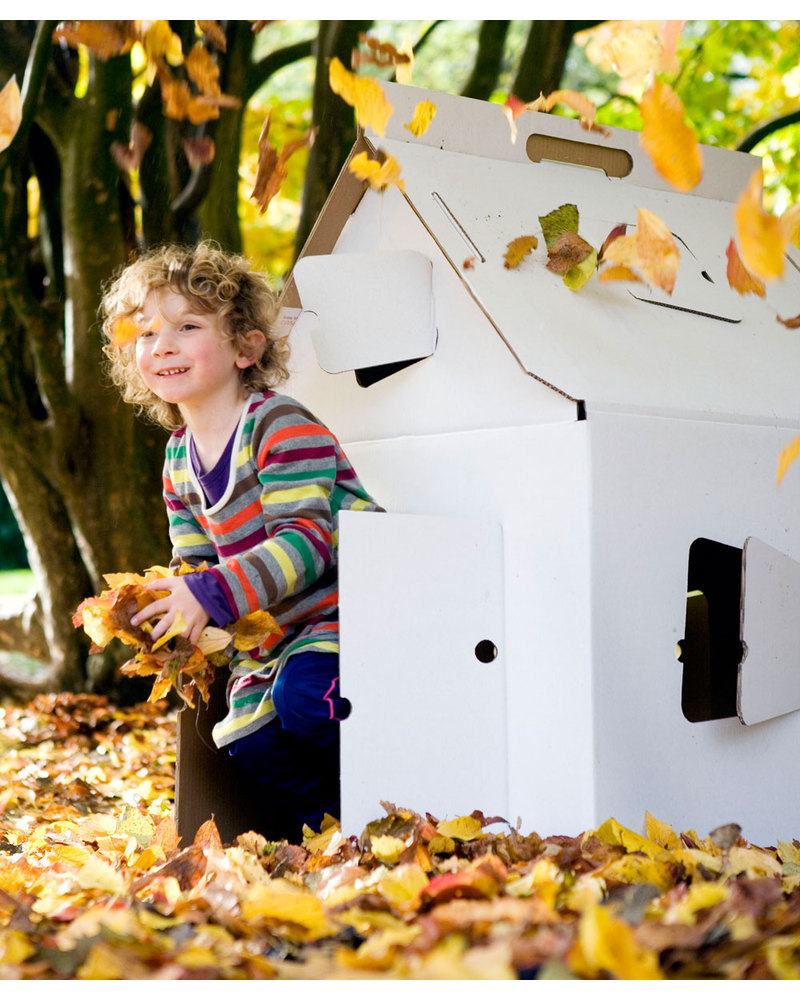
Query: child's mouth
[173,371]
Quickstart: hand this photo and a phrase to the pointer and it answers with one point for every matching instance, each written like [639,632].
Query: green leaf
[561,220]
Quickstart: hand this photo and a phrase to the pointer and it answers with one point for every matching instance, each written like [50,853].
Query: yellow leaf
[160,40]
[786,457]
[761,237]
[362,93]
[613,833]
[606,944]
[578,275]
[636,870]
[790,221]
[379,175]
[661,833]
[518,249]
[254,630]
[422,117]
[133,822]
[279,904]
[739,278]
[15,947]
[98,874]
[10,112]
[464,828]
[701,896]
[178,627]
[667,139]
[387,848]
[213,640]
[401,886]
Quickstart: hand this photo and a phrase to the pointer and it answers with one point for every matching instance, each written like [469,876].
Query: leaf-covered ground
[94,883]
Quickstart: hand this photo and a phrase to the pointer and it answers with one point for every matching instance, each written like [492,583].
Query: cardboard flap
[371,309]
[422,639]
[769,676]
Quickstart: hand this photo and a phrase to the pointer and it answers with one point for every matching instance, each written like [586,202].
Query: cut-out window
[711,649]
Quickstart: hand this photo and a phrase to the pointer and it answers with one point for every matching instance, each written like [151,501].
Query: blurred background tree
[127,140]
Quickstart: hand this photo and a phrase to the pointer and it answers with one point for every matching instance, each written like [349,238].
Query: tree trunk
[541,65]
[486,68]
[332,117]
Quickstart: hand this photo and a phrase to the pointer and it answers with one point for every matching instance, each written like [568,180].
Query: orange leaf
[202,70]
[272,169]
[208,835]
[787,456]
[739,278]
[518,249]
[421,119]
[761,237]
[650,250]
[379,53]
[362,93]
[104,38]
[618,272]
[130,157]
[380,175]
[124,331]
[213,34]
[10,112]
[667,139]
[790,324]
[579,103]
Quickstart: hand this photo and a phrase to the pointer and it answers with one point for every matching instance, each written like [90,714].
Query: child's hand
[180,599]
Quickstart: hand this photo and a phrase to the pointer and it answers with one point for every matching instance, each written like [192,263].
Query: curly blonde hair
[213,282]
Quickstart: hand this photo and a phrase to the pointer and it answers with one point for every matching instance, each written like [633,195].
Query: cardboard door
[422,663]
[769,675]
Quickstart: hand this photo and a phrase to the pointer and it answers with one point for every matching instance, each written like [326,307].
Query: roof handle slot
[612,161]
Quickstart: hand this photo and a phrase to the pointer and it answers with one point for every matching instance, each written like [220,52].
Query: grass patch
[16,582]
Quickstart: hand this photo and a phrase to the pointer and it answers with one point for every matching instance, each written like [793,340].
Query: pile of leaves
[95,882]
[176,662]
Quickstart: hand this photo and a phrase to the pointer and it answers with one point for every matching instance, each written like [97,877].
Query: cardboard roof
[703,351]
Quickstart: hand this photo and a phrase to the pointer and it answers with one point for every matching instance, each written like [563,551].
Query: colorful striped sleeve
[292,547]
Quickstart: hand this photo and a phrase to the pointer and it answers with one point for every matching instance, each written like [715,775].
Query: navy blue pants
[293,761]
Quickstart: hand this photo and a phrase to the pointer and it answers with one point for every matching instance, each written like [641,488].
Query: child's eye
[189,326]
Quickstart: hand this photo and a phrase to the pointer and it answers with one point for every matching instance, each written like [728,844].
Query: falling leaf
[161,41]
[515,106]
[573,99]
[650,249]
[213,34]
[790,221]
[563,219]
[272,169]
[567,252]
[760,236]
[469,263]
[379,53]
[10,112]
[200,150]
[203,70]
[616,232]
[667,139]
[791,324]
[104,38]
[362,93]
[124,330]
[379,174]
[739,278]
[421,119]
[787,457]
[518,249]
[130,157]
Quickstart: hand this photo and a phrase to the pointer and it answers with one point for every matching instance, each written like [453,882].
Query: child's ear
[256,342]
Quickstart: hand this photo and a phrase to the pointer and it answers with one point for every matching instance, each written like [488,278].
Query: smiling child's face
[185,356]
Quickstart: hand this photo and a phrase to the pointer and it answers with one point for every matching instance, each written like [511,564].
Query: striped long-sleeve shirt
[270,541]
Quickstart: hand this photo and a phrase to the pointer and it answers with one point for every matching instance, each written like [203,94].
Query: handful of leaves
[173,659]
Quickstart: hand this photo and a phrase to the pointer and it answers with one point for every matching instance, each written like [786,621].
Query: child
[253,484]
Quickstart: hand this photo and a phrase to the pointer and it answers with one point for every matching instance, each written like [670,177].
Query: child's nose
[165,343]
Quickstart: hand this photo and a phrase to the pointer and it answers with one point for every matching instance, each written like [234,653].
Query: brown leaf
[203,70]
[791,324]
[213,34]
[567,252]
[130,157]
[578,102]
[378,53]
[200,150]
[104,38]
[272,170]
[208,835]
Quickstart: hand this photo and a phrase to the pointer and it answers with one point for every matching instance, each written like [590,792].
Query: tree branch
[753,138]
[35,75]
[259,72]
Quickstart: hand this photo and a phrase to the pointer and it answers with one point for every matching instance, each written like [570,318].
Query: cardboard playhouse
[584,597]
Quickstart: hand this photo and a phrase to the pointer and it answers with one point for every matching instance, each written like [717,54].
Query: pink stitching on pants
[327,696]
